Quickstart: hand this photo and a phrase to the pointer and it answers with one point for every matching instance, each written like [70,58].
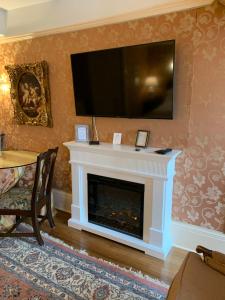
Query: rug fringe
[84,252]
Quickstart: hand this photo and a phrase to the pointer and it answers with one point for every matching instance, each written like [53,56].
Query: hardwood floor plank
[114,252]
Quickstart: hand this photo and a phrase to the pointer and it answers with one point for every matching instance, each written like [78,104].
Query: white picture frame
[82,133]
[117,137]
[142,138]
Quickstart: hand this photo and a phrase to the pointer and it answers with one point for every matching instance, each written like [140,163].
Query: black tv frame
[130,117]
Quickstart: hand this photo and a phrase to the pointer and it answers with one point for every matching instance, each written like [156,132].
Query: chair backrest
[43,178]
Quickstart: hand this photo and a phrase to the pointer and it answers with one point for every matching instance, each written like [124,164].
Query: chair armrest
[213,259]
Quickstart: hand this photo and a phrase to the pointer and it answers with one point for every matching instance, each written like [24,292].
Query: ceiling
[22,19]
[14,4]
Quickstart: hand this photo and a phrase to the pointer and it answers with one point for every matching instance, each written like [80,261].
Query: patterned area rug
[56,271]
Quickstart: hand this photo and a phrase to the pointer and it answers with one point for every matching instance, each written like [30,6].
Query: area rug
[56,271]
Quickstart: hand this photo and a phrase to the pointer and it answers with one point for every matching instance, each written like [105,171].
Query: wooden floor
[115,252]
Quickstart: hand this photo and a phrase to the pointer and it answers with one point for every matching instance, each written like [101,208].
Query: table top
[16,158]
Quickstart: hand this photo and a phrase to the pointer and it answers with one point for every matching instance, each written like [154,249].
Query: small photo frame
[82,133]
[117,137]
[142,138]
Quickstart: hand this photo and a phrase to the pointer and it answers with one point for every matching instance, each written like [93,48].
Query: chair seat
[16,198]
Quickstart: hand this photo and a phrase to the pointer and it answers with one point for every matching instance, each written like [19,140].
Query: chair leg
[49,213]
[18,221]
[50,218]
[36,229]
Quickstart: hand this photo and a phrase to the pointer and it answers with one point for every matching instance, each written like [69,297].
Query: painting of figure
[30,93]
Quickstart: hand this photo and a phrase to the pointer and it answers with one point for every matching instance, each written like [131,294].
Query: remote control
[163,151]
[94,143]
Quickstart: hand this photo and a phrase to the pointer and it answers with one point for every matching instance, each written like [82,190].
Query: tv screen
[128,82]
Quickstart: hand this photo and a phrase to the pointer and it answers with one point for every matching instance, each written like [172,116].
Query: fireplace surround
[152,173]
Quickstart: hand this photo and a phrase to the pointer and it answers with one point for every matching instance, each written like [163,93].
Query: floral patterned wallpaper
[197,128]
[199,194]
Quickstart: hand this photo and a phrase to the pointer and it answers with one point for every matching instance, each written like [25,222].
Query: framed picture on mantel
[81,133]
[142,138]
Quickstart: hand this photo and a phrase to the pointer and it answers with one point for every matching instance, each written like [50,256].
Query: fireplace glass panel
[116,204]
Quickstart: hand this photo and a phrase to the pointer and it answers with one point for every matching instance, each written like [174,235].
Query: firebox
[116,204]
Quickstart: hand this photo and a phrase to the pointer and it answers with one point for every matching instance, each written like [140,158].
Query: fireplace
[123,195]
[116,204]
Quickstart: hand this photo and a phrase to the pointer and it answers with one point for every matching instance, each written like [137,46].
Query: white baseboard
[62,200]
[185,236]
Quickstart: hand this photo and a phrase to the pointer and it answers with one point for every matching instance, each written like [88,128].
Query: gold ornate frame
[30,93]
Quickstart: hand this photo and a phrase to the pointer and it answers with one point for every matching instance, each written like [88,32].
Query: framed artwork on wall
[142,138]
[30,93]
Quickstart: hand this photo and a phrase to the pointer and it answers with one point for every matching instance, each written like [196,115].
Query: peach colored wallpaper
[197,128]
[199,195]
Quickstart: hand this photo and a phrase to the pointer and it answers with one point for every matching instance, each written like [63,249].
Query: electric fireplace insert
[116,204]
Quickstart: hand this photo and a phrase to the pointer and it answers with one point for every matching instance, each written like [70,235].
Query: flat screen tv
[128,82]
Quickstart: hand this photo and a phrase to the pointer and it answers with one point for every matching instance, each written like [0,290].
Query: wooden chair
[26,202]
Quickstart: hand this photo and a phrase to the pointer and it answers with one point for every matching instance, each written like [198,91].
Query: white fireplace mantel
[153,170]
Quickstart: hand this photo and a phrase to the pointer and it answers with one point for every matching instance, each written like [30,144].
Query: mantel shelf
[126,149]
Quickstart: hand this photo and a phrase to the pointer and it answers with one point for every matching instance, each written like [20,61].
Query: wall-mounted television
[127,82]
